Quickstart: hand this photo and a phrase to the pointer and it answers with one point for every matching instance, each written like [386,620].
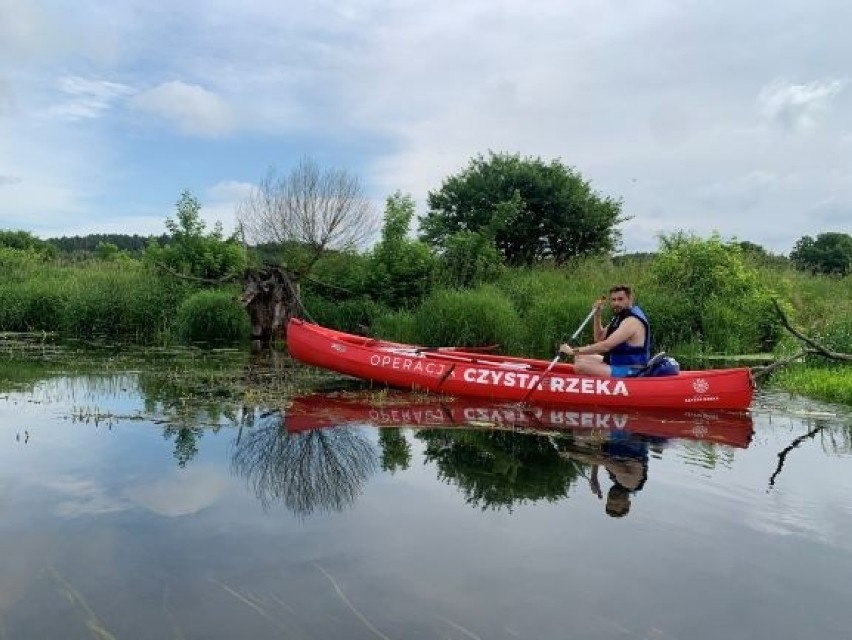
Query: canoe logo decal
[700,385]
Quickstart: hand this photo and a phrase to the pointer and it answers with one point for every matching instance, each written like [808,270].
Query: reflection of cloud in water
[813,520]
[324,469]
[180,493]
[83,497]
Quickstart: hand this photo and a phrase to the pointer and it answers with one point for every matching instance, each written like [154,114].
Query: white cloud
[221,201]
[193,109]
[181,492]
[671,106]
[83,497]
[89,98]
[797,106]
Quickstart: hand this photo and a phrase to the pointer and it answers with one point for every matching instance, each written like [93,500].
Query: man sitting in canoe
[621,349]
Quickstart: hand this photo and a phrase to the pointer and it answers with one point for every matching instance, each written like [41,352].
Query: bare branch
[759,372]
[319,209]
[828,353]
[782,456]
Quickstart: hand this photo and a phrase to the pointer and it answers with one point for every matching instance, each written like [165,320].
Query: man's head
[617,501]
[620,298]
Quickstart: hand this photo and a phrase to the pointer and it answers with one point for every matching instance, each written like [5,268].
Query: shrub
[212,316]
[469,318]
[352,316]
[731,310]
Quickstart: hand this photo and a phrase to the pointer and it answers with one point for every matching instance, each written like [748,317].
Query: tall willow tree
[309,211]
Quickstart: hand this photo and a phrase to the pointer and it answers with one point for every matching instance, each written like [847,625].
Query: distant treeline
[88,244]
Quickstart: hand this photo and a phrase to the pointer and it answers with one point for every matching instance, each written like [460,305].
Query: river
[138,500]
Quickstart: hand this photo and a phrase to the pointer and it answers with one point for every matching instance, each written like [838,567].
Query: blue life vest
[624,354]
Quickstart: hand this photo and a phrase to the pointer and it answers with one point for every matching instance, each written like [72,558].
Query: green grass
[120,299]
[826,383]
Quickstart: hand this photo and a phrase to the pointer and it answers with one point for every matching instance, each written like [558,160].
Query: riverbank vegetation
[481,272]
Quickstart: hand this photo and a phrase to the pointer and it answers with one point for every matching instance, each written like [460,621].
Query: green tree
[26,241]
[829,253]
[401,269]
[536,210]
[106,251]
[194,251]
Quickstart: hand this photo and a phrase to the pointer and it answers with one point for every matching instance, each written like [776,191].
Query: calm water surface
[128,511]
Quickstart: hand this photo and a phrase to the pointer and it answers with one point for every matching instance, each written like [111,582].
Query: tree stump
[271,296]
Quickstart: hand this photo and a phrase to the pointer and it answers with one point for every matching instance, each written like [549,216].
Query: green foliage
[550,320]
[401,271]
[26,241]
[758,256]
[837,335]
[353,316]
[469,318]
[499,469]
[829,253]
[396,452]
[85,246]
[833,384]
[469,259]
[339,275]
[533,210]
[212,316]
[399,326]
[731,311]
[104,299]
[107,251]
[194,252]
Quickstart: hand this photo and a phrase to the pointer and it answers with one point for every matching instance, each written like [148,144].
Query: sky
[705,117]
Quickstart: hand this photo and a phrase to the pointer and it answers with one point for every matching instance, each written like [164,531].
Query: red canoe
[316,411]
[455,372]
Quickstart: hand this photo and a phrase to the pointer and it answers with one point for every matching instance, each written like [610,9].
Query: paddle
[559,353]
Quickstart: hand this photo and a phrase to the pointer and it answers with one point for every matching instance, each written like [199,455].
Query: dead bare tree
[318,209]
[813,347]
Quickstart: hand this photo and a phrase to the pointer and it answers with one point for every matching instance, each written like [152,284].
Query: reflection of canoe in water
[397,410]
[456,372]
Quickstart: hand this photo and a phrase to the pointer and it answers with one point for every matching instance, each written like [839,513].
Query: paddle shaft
[556,359]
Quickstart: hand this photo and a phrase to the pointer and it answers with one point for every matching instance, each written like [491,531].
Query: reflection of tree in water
[497,469]
[186,442]
[396,451]
[323,469]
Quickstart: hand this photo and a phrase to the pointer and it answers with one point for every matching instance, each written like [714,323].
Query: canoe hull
[458,373]
[317,411]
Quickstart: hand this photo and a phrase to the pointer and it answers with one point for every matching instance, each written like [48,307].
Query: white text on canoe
[414,365]
[563,384]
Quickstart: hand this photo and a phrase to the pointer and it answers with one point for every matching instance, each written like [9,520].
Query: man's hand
[566,349]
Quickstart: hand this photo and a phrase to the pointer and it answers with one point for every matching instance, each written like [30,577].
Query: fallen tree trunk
[813,348]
